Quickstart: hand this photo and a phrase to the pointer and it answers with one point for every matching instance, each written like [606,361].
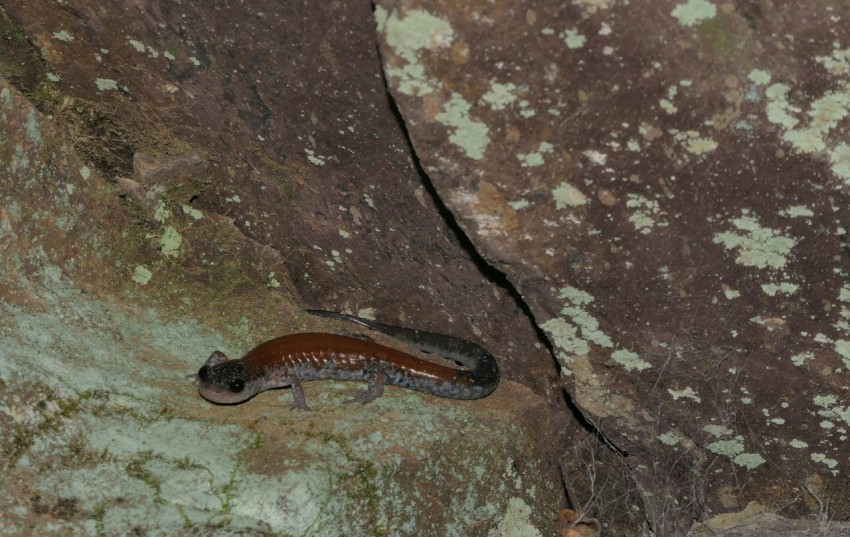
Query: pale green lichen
[759,77]
[63,35]
[693,12]
[500,96]
[840,160]
[757,246]
[85,173]
[630,360]
[821,458]
[516,522]
[670,439]
[106,84]
[800,359]
[138,45]
[161,213]
[687,393]
[577,328]
[786,288]
[694,143]
[717,431]
[797,211]
[535,158]
[471,136]
[798,444]
[192,212]
[314,158]
[169,242]
[141,275]
[416,32]
[646,215]
[730,293]
[572,38]
[566,195]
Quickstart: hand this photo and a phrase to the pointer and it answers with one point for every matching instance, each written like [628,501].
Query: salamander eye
[204,373]
[236,385]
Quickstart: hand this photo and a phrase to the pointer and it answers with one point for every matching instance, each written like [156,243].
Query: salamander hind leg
[377,379]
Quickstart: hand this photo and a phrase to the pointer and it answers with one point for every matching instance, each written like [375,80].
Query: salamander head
[225,382]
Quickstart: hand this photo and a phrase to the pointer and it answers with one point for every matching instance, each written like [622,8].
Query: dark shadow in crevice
[489,272]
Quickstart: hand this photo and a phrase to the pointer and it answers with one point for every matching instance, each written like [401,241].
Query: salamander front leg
[377,379]
[299,399]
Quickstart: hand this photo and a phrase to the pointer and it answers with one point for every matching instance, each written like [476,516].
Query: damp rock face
[176,179]
[665,183]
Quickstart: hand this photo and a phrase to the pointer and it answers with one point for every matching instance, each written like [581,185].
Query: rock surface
[665,183]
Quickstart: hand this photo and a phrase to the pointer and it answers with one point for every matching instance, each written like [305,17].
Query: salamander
[290,360]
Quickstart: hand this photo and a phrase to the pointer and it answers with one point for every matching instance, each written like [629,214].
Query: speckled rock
[666,185]
[205,172]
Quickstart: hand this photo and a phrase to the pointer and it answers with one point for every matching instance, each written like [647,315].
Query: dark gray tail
[483,369]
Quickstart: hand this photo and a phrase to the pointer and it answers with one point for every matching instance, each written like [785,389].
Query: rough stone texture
[665,183]
[208,170]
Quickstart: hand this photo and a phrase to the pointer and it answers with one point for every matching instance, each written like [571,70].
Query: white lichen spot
[759,77]
[730,293]
[670,439]
[138,45]
[693,12]
[63,35]
[821,458]
[53,77]
[471,136]
[314,158]
[577,328]
[344,234]
[416,32]
[727,448]
[566,195]
[733,449]
[798,444]
[596,157]
[717,431]
[694,143]
[668,106]
[757,246]
[797,211]
[499,96]
[786,288]
[535,158]
[687,393]
[839,159]
[273,282]
[141,275]
[800,359]
[630,360]
[366,313]
[85,173]
[195,214]
[830,408]
[106,84]
[161,213]
[647,213]
[169,242]
[519,204]
[749,461]
[572,38]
